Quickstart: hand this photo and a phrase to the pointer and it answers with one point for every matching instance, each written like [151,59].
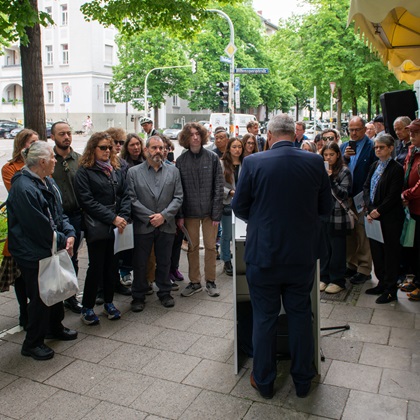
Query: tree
[20,21]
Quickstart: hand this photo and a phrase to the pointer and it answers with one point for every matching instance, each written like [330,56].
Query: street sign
[237,89]
[230,50]
[332,87]
[251,71]
[67,99]
[67,90]
[225,59]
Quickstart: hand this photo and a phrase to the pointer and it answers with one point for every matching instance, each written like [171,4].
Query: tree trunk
[156,116]
[297,108]
[32,80]
[339,107]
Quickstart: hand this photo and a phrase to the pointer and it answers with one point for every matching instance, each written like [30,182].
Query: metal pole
[231,72]
[146,103]
[331,110]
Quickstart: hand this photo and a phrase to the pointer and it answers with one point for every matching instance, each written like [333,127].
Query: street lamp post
[146,103]
[232,69]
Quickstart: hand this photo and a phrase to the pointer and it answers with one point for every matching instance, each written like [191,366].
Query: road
[78,144]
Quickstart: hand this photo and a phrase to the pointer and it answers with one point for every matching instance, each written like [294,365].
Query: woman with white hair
[34,214]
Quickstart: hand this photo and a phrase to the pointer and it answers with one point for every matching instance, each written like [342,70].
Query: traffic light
[193,66]
[223,93]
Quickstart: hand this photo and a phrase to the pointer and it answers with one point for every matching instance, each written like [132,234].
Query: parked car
[173,131]
[15,131]
[7,127]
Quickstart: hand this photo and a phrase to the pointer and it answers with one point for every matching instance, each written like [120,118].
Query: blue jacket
[282,193]
[34,211]
[361,170]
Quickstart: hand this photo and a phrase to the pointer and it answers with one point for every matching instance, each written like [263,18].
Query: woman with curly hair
[231,164]
[101,191]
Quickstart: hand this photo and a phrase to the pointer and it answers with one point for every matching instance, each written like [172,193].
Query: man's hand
[180,223]
[215,223]
[348,152]
[156,220]
[70,245]
[120,223]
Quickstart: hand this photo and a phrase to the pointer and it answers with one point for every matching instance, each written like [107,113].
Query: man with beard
[156,195]
[64,172]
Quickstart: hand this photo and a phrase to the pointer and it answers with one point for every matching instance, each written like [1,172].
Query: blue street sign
[225,59]
[67,99]
[251,71]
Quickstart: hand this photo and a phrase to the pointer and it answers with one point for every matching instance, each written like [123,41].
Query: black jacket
[34,212]
[95,191]
[387,198]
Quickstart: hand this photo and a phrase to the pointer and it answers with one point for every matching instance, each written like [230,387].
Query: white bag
[57,279]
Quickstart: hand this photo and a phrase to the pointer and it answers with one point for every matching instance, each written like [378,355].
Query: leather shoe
[137,305]
[377,290]
[167,301]
[65,334]
[41,352]
[73,304]
[359,278]
[302,390]
[122,290]
[386,297]
[254,385]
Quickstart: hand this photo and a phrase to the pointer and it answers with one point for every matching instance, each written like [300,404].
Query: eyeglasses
[105,148]
[120,142]
[250,143]
[380,147]
[329,138]
[356,129]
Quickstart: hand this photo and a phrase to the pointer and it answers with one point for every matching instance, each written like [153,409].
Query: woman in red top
[411,198]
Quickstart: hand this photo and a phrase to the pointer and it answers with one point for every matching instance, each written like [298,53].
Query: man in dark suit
[156,195]
[281,194]
[358,160]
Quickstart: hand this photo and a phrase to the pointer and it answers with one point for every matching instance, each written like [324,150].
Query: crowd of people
[122,181]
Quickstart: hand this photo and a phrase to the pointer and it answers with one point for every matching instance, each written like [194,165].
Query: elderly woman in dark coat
[34,214]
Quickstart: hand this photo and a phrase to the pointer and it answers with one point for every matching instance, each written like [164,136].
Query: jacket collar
[282,143]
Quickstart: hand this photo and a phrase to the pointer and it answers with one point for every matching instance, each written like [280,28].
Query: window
[48,10]
[107,94]
[10,57]
[64,15]
[50,93]
[65,88]
[109,50]
[64,53]
[50,57]
[175,100]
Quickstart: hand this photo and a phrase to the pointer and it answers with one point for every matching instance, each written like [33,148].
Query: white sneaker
[127,280]
[322,286]
[212,289]
[333,288]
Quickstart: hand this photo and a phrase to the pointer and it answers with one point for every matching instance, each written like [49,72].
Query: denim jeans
[226,238]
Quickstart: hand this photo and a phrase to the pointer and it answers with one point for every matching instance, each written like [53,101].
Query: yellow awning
[392,28]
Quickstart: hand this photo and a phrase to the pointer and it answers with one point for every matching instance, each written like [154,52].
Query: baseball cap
[379,118]
[414,126]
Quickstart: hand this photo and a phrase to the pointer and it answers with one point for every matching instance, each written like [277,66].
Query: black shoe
[73,304]
[167,301]
[100,298]
[302,390]
[228,269]
[122,290]
[378,290]
[386,297]
[41,352]
[349,273]
[359,278]
[137,305]
[65,334]
[268,396]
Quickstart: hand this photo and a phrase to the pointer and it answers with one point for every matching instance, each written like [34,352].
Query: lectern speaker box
[397,104]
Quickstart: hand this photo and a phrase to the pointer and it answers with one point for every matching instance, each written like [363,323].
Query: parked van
[222,119]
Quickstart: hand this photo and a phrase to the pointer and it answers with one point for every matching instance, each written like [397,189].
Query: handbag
[352,215]
[95,230]
[57,280]
[408,231]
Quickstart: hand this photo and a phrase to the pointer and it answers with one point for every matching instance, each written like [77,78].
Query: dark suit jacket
[361,170]
[282,193]
[387,198]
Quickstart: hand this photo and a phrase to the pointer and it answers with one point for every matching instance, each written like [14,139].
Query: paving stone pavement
[178,364]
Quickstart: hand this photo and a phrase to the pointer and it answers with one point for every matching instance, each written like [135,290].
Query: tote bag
[409,230]
[57,279]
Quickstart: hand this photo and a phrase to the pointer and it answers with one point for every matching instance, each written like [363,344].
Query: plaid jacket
[341,187]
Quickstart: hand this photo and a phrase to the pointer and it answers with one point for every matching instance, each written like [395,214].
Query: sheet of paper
[373,230]
[124,240]
[358,202]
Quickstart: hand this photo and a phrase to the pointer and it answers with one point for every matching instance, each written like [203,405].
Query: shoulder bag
[352,215]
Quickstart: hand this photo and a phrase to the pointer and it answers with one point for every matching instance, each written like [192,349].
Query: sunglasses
[105,148]
[120,142]
[329,138]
